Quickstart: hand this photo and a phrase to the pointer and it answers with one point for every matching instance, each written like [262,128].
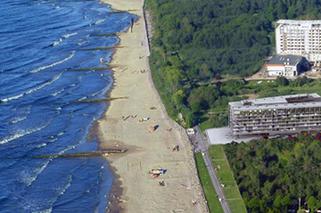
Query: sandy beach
[127,123]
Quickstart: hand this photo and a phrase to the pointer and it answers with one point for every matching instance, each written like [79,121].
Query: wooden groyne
[86,69]
[104,34]
[102,48]
[107,67]
[100,100]
[100,153]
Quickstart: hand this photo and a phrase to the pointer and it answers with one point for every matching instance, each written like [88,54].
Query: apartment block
[275,115]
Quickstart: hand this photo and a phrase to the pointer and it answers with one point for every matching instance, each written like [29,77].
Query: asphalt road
[202,146]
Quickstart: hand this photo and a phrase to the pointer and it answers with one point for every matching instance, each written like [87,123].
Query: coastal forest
[278,175]
[203,49]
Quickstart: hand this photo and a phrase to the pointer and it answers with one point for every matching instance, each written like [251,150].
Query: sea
[54,56]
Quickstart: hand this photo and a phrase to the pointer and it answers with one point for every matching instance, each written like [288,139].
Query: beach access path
[122,126]
[203,147]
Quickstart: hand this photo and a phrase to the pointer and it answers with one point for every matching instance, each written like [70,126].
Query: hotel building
[275,115]
[295,37]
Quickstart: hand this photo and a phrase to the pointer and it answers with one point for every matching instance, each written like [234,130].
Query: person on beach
[132,21]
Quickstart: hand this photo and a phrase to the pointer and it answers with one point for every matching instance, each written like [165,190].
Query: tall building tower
[297,37]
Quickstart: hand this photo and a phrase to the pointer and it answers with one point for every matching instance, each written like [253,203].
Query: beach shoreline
[127,124]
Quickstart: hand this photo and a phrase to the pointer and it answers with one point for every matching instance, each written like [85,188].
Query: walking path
[203,147]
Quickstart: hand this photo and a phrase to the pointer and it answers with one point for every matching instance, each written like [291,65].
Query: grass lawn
[213,203]
[226,177]
[205,125]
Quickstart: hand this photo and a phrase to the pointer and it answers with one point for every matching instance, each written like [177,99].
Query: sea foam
[54,64]
[21,133]
[69,35]
[29,177]
[56,43]
[99,21]
[34,89]
[58,92]
[18,119]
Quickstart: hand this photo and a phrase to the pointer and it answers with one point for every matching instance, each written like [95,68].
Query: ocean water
[49,55]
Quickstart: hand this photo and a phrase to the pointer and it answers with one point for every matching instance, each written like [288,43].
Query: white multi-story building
[297,37]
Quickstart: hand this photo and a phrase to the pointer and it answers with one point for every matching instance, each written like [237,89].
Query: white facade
[299,38]
[286,65]
[281,70]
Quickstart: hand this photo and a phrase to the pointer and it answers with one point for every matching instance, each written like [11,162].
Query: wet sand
[123,126]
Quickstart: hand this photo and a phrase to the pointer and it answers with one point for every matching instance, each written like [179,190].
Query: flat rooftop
[298,22]
[224,135]
[286,101]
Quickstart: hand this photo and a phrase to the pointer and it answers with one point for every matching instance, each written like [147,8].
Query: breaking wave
[41,145]
[99,21]
[66,186]
[54,64]
[61,133]
[58,92]
[18,119]
[34,89]
[62,189]
[29,177]
[21,133]
[82,43]
[12,98]
[82,98]
[56,43]
[69,35]
[44,211]
[53,140]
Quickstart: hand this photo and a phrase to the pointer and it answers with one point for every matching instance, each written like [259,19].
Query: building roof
[291,60]
[224,135]
[298,22]
[278,102]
